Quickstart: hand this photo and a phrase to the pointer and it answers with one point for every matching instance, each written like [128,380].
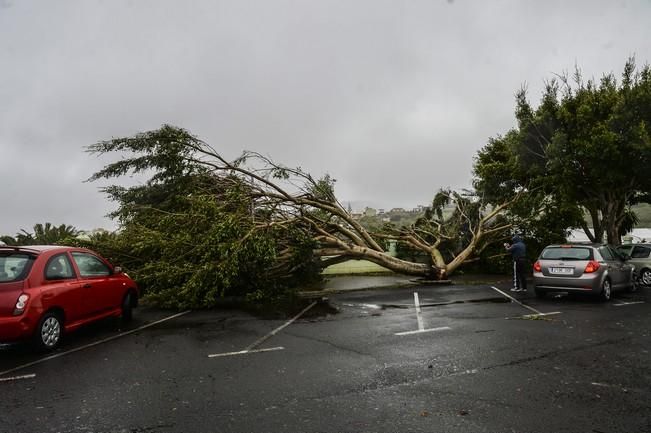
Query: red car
[48,290]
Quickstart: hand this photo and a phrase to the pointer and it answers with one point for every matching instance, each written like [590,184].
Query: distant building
[85,235]
[369,212]
[397,210]
[419,209]
[380,211]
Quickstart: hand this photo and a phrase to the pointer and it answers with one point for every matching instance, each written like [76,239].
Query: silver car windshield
[566,253]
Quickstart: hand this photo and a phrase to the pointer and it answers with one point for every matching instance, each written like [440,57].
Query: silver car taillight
[21,303]
[592,266]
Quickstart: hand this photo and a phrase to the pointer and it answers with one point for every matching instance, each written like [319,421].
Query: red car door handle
[87,286]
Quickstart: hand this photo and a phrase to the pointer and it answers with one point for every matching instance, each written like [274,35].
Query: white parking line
[628,303]
[105,340]
[420,331]
[530,316]
[244,352]
[419,317]
[537,313]
[259,341]
[25,376]
[278,329]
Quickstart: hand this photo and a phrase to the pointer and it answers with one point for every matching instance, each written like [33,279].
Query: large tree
[587,147]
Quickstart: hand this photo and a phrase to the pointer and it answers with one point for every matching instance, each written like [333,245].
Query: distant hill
[643,212]
[360,205]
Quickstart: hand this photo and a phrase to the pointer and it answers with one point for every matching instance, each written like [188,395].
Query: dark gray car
[640,257]
[582,268]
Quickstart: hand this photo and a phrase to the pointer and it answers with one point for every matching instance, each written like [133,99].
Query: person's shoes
[515,289]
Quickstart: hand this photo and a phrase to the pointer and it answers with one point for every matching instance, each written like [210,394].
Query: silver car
[639,255]
[582,268]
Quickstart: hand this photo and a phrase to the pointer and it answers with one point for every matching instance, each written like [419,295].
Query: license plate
[562,271]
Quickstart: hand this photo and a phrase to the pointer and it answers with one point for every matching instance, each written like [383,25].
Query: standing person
[519,253]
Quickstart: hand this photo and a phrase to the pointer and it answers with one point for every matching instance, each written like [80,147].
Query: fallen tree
[454,230]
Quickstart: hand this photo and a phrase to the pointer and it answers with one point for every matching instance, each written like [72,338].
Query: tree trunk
[613,235]
[614,209]
[612,230]
[597,234]
[462,257]
[393,263]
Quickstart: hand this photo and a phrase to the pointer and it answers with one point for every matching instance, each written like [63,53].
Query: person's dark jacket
[517,249]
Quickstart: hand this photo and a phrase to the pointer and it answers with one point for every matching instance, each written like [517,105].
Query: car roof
[577,244]
[38,249]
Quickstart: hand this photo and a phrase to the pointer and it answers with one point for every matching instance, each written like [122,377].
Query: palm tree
[8,240]
[46,234]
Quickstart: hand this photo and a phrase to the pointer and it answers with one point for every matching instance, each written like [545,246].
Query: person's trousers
[519,273]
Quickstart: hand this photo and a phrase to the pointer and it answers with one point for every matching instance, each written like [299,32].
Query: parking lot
[450,359]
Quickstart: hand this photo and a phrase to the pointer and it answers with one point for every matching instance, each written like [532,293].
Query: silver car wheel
[646,277]
[50,331]
[605,292]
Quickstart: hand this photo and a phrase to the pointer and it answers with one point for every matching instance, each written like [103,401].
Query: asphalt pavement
[400,358]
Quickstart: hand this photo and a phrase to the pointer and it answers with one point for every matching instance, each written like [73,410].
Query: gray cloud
[391,98]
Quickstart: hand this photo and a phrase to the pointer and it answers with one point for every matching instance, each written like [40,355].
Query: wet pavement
[470,361]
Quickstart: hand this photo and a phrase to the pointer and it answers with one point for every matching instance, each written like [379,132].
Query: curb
[310,294]
[307,294]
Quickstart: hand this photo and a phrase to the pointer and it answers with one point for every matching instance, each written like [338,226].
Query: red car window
[59,268]
[90,266]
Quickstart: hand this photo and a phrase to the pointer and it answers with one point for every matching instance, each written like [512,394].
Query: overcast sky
[392,98]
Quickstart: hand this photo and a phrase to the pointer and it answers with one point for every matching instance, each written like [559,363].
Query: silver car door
[613,265]
[623,267]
